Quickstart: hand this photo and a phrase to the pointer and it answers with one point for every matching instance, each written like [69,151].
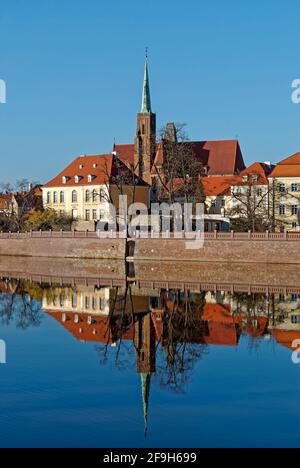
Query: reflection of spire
[145,381]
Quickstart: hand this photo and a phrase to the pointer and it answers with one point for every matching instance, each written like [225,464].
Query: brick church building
[82,188]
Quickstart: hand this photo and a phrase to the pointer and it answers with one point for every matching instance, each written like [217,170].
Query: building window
[294,297]
[54,197]
[61,212]
[102,195]
[87,215]
[281,187]
[294,225]
[94,303]
[87,302]
[62,197]
[48,197]
[259,192]
[94,214]
[282,209]
[102,303]
[94,195]
[61,300]
[294,209]
[74,301]
[223,202]
[294,188]
[295,319]
[74,196]
[281,297]
[87,196]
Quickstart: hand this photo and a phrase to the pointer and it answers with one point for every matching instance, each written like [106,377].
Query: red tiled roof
[106,166]
[260,329]
[222,334]
[5,201]
[125,153]
[217,185]
[286,337]
[217,313]
[221,157]
[101,172]
[263,170]
[98,331]
[289,167]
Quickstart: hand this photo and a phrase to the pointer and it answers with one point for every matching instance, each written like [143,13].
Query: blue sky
[74,71]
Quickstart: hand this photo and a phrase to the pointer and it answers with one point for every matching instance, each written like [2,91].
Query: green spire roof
[146,101]
[145,381]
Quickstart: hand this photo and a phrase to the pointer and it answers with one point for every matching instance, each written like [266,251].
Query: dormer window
[90,177]
[245,178]
[94,165]
[80,166]
[77,179]
[65,179]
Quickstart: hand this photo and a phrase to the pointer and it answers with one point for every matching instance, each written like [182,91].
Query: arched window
[62,197]
[87,196]
[48,197]
[102,195]
[94,195]
[54,197]
[74,196]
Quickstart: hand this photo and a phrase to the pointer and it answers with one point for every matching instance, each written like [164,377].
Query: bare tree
[250,207]
[178,175]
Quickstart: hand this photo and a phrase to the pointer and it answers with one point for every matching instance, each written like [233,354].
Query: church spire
[146,101]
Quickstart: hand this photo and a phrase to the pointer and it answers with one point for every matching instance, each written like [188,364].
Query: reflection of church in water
[146,318]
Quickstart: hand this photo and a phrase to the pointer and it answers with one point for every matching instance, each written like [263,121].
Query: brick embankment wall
[64,247]
[78,270]
[273,275]
[226,251]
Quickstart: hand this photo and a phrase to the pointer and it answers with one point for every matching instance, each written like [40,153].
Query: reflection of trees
[178,349]
[118,323]
[252,307]
[183,338]
[19,306]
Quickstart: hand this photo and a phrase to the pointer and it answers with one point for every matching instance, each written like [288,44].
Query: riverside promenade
[226,247]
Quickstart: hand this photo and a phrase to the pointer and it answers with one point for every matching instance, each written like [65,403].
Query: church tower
[145,138]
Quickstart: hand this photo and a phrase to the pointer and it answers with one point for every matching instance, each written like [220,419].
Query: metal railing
[215,235]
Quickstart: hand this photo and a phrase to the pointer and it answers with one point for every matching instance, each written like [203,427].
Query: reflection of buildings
[285,319]
[145,345]
[171,318]
[82,299]
[219,320]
